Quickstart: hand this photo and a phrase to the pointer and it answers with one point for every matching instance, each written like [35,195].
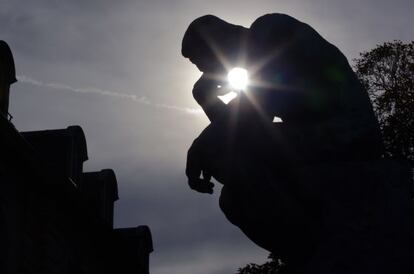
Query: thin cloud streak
[91,90]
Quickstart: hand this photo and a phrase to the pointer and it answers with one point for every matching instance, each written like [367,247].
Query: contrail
[142,100]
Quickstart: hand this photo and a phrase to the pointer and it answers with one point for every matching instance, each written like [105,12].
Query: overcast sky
[114,68]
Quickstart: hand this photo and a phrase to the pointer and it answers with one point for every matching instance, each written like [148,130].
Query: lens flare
[238,78]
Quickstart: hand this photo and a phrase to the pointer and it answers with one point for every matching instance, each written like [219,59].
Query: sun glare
[228,97]
[277,119]
[238,78]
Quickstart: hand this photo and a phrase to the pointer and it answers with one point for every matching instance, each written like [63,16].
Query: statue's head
[212,44]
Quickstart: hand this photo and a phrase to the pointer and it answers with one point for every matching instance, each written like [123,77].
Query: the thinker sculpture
[313,189]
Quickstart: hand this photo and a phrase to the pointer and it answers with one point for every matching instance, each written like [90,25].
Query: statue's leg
[270,216]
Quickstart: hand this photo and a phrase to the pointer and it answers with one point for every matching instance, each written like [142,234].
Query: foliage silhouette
[387,72]
[274,266]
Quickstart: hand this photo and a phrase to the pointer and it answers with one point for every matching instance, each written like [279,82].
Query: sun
[238,78]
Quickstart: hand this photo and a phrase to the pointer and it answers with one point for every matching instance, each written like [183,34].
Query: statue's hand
[201,185]
[195,168]
[205,92]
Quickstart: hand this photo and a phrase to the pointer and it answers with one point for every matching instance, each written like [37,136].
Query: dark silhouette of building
[7,76]
[55,218]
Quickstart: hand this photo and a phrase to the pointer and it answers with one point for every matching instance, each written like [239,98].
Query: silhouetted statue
[7,76]
[304,188]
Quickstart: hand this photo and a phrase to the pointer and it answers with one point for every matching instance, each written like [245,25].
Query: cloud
[92,90]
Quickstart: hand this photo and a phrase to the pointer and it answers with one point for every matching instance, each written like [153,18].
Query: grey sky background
[115,68]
